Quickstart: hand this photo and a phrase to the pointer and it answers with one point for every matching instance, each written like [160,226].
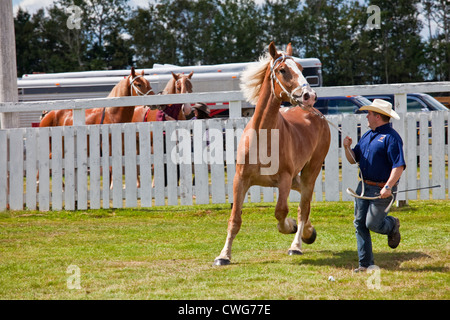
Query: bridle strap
[275,64]
[138,91]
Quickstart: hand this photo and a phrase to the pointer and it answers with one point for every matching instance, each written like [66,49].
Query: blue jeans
[370,216]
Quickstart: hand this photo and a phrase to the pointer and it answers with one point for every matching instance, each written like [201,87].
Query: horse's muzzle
[306,98]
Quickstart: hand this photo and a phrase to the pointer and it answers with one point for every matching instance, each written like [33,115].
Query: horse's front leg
[306,231]
[285,225]
[235,221]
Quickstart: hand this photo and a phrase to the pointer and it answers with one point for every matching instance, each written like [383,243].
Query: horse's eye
[139,85]
[282,71]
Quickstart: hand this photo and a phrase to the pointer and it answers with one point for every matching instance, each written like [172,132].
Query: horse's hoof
[294,227]
[295,252]
[221,262]
[311,239]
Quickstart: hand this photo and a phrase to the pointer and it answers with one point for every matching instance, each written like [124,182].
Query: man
[380,156]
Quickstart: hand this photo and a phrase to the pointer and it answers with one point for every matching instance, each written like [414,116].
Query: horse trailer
[98,84]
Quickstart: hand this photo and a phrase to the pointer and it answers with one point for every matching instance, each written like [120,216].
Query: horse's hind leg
[235,221]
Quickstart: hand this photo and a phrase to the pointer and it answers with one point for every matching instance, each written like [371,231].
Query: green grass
[167,253]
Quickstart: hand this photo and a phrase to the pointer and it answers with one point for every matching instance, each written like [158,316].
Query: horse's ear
[174,76]
[142,73]
[191,74]
[289,49]
[133,73]
[273,51]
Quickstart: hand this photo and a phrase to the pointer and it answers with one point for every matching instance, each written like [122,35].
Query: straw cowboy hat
[383,107]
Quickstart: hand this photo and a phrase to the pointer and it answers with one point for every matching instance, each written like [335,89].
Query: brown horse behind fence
[297,140]
[133,85]
[179,83]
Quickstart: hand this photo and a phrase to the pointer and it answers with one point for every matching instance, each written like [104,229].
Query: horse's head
[139,86]
[288,82]
[182,82]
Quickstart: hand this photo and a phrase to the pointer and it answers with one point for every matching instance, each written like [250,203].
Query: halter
[138,91]
[274,65]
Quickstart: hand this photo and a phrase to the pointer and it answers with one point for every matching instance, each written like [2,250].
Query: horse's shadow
[385,260]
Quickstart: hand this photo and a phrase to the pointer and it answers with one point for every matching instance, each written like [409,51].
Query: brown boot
[394,236]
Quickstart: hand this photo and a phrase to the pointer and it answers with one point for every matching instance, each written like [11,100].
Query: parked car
[341,104]
[416,102]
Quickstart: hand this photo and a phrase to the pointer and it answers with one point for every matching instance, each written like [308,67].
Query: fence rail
[199,157]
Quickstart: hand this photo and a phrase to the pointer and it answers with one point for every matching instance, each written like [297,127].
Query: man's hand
[349,154]
[385,193]
[347,142]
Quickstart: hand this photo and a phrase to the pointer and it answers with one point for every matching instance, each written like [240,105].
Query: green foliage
[184,32]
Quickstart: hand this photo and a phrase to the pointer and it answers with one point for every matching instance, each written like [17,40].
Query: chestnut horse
[301,135]
[179,83]
[133,85]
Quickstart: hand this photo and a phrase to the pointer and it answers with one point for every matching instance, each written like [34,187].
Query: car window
[415,105]
[387,98]
[321,105]
[337,106]
[433,104]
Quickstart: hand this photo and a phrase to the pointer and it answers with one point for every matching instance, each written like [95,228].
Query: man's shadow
[384,260]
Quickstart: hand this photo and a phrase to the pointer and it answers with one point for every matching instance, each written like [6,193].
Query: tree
[186,32]
[438,45]
[399,48]
[65,47]
[282,23]
[150,39]
[103,20]
[27,53]
[331,31]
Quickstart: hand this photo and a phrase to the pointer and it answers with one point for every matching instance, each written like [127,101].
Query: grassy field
[167,253]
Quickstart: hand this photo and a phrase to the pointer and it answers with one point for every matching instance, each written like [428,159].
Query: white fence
[77,174]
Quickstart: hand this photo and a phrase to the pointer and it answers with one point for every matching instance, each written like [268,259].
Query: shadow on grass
[386,260]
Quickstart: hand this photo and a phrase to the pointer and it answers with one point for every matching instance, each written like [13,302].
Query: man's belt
[377,184]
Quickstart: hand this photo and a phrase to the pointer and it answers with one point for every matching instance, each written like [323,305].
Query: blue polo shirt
[378,152]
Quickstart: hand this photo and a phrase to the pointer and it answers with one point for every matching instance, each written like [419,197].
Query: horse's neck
[121,90]
[170,87]
[267,109]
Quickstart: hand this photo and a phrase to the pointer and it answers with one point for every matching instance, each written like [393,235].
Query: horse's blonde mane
[253,77]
